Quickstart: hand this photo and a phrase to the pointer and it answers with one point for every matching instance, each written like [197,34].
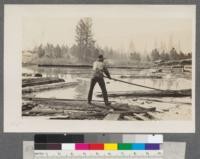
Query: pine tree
[84,39]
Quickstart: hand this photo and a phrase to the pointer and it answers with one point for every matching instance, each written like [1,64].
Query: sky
[125,28]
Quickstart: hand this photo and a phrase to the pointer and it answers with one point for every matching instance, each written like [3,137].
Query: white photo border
[13,120]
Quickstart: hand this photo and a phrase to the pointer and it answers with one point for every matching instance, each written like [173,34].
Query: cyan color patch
[138,146]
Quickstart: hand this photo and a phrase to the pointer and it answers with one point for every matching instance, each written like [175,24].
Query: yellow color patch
[110,146]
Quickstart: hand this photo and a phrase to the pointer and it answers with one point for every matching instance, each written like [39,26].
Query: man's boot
[107,103]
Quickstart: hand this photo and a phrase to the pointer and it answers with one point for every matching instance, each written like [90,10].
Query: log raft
[79,109]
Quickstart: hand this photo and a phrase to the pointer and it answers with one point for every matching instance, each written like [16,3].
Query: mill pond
[146,106]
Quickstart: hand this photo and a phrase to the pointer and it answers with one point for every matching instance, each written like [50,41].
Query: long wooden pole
[134,84]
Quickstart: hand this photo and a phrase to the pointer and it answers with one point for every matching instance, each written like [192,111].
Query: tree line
[86,50]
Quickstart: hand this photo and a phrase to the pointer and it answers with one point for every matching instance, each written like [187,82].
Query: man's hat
[101,57]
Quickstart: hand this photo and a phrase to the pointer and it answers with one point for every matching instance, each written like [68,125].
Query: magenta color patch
[82,146]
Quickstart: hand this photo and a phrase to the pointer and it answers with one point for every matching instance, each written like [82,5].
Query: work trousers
[102,85]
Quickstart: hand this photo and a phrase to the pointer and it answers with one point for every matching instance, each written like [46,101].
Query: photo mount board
[14,122]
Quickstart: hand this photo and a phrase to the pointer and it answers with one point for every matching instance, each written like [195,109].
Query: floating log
[150,108]
[59,65]
[151,93]
[40,81]
[113,116]
[28,106]
[150,100]
[140,117]
[45,111]
[176,62]
[88,115]
[132,111]
[38,75]
[60,117]
[187,68]
[151,116]
[27,74]
[130,118]
[45,87]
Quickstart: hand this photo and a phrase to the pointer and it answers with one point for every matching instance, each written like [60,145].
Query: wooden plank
[87,115]
[60,117]
[140,117]
[149,108]
[112,116]
[159,110]
[120,106]
[130,118]
[152,116]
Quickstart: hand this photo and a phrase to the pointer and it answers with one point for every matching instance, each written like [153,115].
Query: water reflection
[82,90]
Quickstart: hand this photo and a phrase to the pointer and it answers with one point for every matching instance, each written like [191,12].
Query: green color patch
[124,146]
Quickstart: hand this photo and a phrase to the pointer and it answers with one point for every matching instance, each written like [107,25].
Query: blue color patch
[138,146]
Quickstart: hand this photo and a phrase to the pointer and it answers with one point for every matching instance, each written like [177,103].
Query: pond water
[169,81]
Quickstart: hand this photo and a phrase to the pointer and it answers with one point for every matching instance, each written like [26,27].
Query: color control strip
[105,146]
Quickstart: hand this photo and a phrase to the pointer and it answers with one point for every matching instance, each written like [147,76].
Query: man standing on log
[99,69]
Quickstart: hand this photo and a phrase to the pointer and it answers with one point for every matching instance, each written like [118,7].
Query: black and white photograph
[118,63]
